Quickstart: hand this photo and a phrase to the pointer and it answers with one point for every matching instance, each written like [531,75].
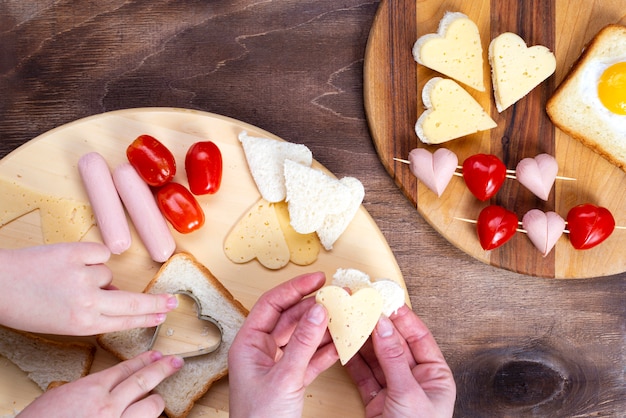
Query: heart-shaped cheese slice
[543,229]
[303,248]
[352,318]
[455,50]
[538,174]
[517,69]
[258,235]
[434,170]
[451,112]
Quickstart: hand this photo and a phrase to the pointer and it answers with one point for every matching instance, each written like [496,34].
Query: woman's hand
[281,348]
[401,371]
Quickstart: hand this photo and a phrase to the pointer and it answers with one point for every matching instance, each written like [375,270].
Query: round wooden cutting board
[48,164]
[393,84]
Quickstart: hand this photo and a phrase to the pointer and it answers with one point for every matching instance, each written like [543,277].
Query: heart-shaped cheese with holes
[451,112]
[455,50]
[516,69]
[258,235]
[352,318]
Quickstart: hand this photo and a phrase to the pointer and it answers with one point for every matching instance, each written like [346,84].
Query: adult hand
[401,371]
[280,349]
[120,391]
[66,289]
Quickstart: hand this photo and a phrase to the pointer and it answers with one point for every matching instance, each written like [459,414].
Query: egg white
[588,86]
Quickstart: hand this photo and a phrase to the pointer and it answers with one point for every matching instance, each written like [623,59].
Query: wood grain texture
[524,130]
[246,59]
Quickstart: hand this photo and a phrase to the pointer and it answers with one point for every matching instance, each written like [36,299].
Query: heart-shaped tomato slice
[589,225]
[496,225]
[484,175]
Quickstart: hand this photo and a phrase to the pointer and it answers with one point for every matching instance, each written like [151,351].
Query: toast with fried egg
[590,103]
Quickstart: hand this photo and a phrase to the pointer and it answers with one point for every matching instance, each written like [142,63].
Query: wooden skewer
[510,173]
[473,221]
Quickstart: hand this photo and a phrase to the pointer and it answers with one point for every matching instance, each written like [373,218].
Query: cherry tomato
[180,207]
[484,175]
[203,164]
[495,225]
[589,225]
[152,160]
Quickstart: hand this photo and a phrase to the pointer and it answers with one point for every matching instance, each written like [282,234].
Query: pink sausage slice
[144,212]
[106,204]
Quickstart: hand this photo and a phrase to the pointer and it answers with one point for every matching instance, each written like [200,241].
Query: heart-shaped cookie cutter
[183,340]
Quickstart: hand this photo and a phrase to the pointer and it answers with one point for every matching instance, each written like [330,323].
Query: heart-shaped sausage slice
[589,225]
[538,174]
[543,229]
[484,174]
[185,332]
[495,225]
[352,318]
[434,170]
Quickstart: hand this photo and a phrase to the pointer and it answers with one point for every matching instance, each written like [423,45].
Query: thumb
[391,356]
[304,341]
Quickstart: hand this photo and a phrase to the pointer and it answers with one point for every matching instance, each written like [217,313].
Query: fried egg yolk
[612,88]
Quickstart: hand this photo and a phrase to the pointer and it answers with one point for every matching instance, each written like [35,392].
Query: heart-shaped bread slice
[434,170]
[516,69]
[543,229]
[538,174]
[352,318]
[455,50]
[312,195]
[451,112]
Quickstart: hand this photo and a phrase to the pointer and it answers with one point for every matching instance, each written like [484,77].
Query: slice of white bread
[312,195]
[182,272]
[516,69]
[455,50]
[265,159]
[46,362]
[575,107]
[451,112]
[334,225]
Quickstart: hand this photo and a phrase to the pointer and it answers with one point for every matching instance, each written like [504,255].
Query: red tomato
[152,160]
[180,208]
[589,225]
[495,225]
[484,175]
[203,164]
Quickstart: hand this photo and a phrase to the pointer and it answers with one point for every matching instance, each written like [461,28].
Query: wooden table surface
[518,345]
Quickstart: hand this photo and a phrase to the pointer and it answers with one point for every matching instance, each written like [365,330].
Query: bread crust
[561,95]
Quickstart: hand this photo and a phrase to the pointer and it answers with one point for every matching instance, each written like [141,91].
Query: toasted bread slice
[575,106]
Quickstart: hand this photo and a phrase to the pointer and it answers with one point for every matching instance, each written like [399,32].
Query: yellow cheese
[258,235]
[303,248]
[455,50]
[62,220]
[517,69]
[352,318]
[451,113]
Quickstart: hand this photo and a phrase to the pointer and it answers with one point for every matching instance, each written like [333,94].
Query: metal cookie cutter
[186,332]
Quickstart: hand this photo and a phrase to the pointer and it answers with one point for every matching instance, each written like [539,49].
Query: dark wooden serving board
[393,82]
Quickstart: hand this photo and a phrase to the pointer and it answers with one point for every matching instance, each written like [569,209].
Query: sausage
[106,203]
[144,212]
